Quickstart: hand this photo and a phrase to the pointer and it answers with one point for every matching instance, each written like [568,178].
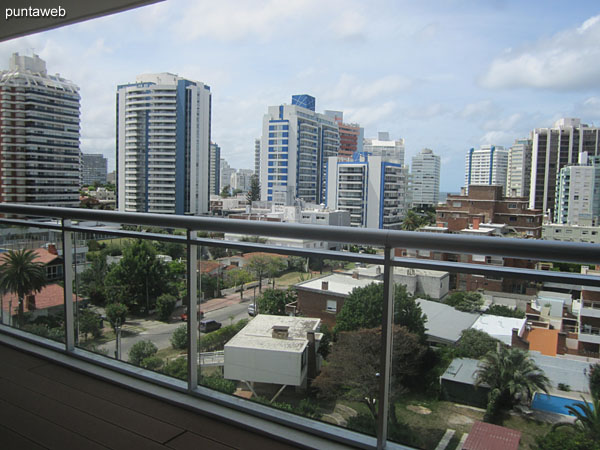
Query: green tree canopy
[254,192]
[92,279]
[363,308]
[354,362]
[273,301]
[594,379]
[475,344]
[512,376]
[22,275]
[465,301]
[116,313]
[142,350]
[239,277]
[262,265]
[139,278]
[587,418]
[502,310]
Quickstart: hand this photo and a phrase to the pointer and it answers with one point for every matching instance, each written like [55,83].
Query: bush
[142,350]
[152,363]
[501,310]
[217,339]
[179,338]
[176,368]
[475,344]
[465,301]
[564,387]
[165,305]
[219,383]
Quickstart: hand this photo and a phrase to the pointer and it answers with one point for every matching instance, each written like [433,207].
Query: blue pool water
[552,403]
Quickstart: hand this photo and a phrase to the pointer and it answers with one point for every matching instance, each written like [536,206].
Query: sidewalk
[223,302]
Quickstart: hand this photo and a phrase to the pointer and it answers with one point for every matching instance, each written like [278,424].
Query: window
[512,206]
[456,204]
[512,219]
[331,306]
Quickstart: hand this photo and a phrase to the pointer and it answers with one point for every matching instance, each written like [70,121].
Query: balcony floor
[44,405]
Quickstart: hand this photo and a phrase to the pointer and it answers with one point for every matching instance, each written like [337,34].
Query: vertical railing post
[386,349]
[193,308]
[67,241]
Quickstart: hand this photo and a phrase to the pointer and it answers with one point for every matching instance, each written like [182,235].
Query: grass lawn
[291,278]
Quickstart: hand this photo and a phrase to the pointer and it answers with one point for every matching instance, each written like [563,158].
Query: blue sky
[448,75]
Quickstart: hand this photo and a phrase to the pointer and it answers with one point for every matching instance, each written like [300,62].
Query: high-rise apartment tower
[163,141]
[39,125]
[425,178]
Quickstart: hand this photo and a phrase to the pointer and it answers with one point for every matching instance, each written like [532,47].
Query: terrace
[236,416]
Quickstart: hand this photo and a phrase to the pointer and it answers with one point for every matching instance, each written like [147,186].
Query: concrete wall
[264,366]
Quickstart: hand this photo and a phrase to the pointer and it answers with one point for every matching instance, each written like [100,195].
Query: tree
[116,313]
[512,376]
[142,350]
[89,323]
[363,308]
[22,275]
[238,277]
[254,192]
[92,279]
[139,278]
[475,344]
[354,362]
[179,339]
[325,344]
[465,301]
[165,304]
[587,418]
[273,301]
[259,265]
[176,368]
[274,267]
[502,310]
[411,221]
[225,191]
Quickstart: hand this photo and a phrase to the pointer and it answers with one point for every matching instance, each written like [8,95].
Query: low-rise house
[324,297]
[274,349]
[49,301]
[445,324]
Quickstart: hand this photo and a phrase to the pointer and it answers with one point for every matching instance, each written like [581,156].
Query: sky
[448,75]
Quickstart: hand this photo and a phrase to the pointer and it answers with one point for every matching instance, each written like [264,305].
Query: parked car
[206,326]
[184,316]
[251,310]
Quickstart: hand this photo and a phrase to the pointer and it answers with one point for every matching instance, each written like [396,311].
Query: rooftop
[258,333]
[444,323]
[337,284]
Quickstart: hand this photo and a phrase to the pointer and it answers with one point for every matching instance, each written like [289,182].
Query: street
[227,310]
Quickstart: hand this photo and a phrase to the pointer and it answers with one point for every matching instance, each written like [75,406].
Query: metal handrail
[451,243]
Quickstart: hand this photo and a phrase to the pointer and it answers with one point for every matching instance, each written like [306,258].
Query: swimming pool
[552,403]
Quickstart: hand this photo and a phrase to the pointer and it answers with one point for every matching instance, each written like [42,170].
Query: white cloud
[426,112]
[350,90]
[568,60]
[369,116]
[350,25]
[478,110]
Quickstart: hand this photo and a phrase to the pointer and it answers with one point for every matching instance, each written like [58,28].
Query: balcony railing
[386,240]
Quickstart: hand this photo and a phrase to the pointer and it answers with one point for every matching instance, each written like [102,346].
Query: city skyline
[447,76]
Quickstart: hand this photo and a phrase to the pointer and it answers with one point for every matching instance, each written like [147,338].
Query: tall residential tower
[486,166]
[39,125]
[163,140]
[296,142]
[425,172]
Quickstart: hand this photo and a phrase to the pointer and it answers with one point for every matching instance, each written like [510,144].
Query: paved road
[226,310]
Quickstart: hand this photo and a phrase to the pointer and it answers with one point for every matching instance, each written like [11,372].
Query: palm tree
[20,274]
[587,418]
[512,376]
[411,221]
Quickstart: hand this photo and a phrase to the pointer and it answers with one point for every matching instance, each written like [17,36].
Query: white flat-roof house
[273,349]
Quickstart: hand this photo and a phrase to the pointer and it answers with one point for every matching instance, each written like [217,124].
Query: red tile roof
[43,256]
[251,254]
[50,295]
[485,436]
[209,266]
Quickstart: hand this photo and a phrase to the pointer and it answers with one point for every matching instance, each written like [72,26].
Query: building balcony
[589,334]
[70,393]
[590,309]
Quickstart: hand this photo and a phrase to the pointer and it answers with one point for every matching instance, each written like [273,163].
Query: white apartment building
[487,165]
[571,233]
[225,174]
[390,150]
[296,142]
[554,148]
[240,179]
[578,192]
[39,150]
[257,157]
[518,178]
[425,178]
[163,141]
[369,188]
